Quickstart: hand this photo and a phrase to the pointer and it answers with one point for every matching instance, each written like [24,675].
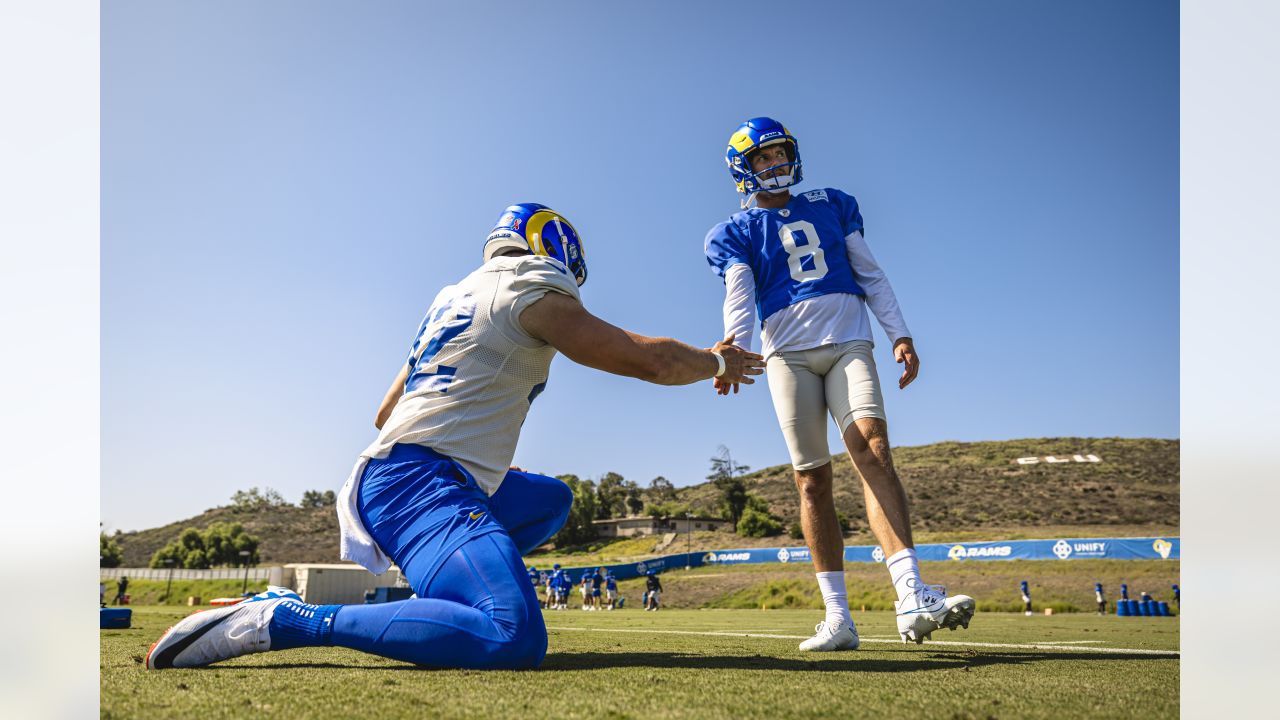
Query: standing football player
[611,590]
[800,264]
[435,493]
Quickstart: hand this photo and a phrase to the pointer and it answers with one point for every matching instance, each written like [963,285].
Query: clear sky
[286,185]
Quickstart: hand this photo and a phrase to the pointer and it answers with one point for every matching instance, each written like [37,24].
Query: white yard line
[1069,642]
[1015,646]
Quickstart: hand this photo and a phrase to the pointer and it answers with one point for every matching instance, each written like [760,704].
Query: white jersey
[473,373]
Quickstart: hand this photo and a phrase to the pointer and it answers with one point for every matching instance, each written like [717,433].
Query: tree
[635,503]
[733,491]
[109,553]
[611,497]
[218,544]
[253,500]
[578,528]
[758,524]
[661,490]
[317,499]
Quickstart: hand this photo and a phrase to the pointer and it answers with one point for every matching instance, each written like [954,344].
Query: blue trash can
[1146,608]
[1122,608]
[1134,610]
[1164,609]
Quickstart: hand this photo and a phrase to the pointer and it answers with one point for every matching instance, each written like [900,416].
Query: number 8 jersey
[798,256]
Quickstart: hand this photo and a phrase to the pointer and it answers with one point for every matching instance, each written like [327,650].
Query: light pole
[244,557]
[688,540]
[169,562]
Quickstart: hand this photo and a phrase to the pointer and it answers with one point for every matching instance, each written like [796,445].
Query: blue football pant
[476,608]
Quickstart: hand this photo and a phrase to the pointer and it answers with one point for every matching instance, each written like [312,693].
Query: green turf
[633,664]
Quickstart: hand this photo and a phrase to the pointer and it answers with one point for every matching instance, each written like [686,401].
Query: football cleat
[220,634]
[832,636]
[929,608]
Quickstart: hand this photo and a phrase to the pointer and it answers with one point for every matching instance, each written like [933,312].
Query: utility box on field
[338,584]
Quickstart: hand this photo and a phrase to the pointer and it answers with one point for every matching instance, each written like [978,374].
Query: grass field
[688,664]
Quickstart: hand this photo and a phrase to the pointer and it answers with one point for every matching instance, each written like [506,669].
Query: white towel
[356,543]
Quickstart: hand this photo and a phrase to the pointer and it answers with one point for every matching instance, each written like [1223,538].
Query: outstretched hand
[739,366]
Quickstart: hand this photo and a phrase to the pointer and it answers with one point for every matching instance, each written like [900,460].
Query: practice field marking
[887,638]
[1007,646]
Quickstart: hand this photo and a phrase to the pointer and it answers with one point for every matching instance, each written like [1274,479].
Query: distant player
[549,588]
[1124,591]
[1177,596]
[435,493]
[611,590]
[1026,598]
[800,265]
[1102,600]
[564,589]
[654,588]
[533,576]
[585,585]
[597,586]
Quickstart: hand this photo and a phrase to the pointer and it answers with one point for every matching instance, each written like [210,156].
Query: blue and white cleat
[220,634]
[832,636]
[928,609]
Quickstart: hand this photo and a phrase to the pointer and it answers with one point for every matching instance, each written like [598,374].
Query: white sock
[834,595]
[905,572]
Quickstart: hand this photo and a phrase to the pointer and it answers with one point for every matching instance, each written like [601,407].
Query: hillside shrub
[757,524]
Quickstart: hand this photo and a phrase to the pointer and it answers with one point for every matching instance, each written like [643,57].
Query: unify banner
[1167,548]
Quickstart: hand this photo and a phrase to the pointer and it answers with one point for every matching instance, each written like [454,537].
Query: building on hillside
[643,525]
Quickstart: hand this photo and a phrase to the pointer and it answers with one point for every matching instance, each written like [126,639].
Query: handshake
[739,365]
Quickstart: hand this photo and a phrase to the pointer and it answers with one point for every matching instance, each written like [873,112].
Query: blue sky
[285,186]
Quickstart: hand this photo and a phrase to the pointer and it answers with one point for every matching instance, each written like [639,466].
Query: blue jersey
[610,584]
[795,253]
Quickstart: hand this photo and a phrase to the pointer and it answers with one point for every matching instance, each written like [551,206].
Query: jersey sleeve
[740,305]
[531,279]
[847,207]
[725,247]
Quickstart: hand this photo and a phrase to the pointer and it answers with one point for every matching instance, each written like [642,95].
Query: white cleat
[928,609]
[832,636]
[210,636]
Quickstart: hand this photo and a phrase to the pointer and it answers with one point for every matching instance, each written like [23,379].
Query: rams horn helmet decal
[542,231]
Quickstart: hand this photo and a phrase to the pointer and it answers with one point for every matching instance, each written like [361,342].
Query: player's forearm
[671,362]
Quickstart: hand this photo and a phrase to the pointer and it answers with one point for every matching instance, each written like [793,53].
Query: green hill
[957,486]
[957,491]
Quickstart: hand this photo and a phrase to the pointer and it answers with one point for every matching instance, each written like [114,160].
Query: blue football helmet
[753,135]
[541,230]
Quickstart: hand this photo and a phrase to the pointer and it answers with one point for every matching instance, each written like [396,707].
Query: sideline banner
[1151,548]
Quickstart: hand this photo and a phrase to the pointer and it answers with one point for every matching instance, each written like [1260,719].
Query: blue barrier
[1167,548]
